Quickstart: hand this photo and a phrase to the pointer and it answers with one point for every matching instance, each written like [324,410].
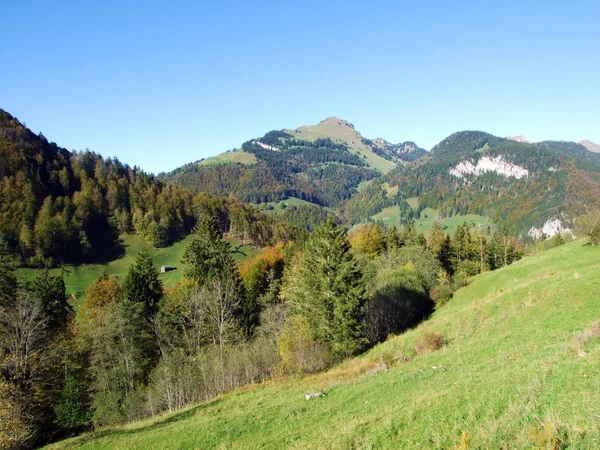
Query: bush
[468,268]
[588,226]
[441,295]
[300,352]
[429,342]
[15,424]
[459,280]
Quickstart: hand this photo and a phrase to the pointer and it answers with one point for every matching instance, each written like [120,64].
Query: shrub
[300,351]
[441,295]
[588,226]
[15,424]
[429,342]
[468,268]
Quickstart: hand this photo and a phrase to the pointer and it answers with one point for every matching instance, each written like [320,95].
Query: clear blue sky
[159,84]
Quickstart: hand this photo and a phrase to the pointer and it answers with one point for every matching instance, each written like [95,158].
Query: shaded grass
[510,380]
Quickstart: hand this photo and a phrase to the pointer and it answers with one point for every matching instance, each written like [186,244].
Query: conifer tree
[331,290]
[207,256]
[209,259]
[51,293]
[8,281]
[142,287]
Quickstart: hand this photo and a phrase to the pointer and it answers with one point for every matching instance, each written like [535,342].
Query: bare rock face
[519,138]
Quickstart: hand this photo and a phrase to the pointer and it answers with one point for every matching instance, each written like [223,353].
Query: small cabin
[165,269]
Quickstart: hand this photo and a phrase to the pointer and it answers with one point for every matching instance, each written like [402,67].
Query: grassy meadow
[341,133]
[229,157]
[278,207]
[518,369]
[79,277]
[391,216]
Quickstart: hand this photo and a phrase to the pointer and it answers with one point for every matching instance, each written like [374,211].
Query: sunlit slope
[520,369]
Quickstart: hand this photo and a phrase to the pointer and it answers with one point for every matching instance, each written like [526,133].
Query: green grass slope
[390,216]
[339,130]
[238,156]
[519,370]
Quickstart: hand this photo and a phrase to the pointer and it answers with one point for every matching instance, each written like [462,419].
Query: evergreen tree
[331,290]
[142,287]
[209,259]
[8,281]
[141,295]
[207,256]
[51,293]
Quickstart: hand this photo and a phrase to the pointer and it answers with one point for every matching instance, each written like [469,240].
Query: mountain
[58,206]
[591,146]
[517,368]
[406,151]
[522,185]
[323,164]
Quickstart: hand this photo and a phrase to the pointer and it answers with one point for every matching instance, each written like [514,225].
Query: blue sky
[159,84]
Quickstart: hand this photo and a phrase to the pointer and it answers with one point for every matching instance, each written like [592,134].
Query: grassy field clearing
[79,277]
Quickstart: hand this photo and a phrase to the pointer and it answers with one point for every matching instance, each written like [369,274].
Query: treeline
[61,207]
[136,350]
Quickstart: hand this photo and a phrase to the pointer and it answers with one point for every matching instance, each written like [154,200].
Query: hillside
[322,164]
[62,207]
[533,188]
[518,370]
[79,277]
[525,186]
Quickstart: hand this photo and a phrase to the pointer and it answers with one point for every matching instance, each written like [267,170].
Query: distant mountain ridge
[523,185]
[591,146]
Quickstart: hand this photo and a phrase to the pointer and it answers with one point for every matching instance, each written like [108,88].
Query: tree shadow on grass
[106,246]
[395,309]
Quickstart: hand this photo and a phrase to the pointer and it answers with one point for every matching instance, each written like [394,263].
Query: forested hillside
[320,171]
[135,349]
[517,184]
[60,207]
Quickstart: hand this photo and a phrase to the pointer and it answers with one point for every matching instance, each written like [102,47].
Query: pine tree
[209,259]
[142,292]
[142,287]
[51,293]
[331,290]
[207,256]
[8,281]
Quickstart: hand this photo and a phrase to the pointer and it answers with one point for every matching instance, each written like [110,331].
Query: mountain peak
[338,121]
[591,146]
